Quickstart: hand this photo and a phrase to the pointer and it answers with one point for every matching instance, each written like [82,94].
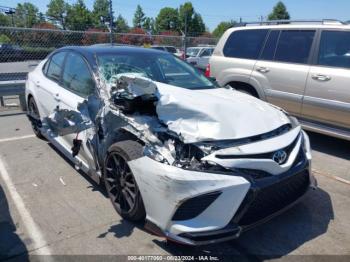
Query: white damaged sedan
[201,164]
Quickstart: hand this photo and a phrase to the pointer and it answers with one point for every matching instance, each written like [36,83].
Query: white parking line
[15,138]
[39,244]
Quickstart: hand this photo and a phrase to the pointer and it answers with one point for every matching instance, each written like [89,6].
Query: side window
[55,67]
[76,75]
[207,52]
[245,43]
[270,46]
[46,65]
[294,46]
[335,49]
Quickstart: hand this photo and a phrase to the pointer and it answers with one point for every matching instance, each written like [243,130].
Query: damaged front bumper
[182,201]
[199,208]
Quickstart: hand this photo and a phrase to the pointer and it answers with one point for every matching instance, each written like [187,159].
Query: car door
[241,50]
[77,85]
[48,84]
[203,58]
[283,67]
[327,94]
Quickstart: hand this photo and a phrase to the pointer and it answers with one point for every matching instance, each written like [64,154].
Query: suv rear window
[294,46]
[270,46]
[335,49]
[245,43]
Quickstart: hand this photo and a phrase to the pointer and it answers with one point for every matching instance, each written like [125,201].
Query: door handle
[320,77]
[262,69]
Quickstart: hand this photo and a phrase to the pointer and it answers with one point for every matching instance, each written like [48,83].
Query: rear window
[294,46]
[270,46]
[245,43]
[335,49]
[192,51]
[207,52]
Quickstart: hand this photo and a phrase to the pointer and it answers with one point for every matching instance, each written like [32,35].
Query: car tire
[33,110]
[120,182]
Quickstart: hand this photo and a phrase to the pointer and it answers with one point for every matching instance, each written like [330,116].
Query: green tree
[195,24]
[57,9]
[78,16]
[121,25]
[26,15]
[167,20]
[222,27]
[5,20]
[4,39]
[279,12]
[139,17]
[149,24]
[100,9]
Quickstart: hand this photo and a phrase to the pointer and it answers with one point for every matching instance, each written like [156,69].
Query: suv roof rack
[283,22]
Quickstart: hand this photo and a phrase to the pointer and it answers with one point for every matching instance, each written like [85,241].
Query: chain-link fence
[22,48]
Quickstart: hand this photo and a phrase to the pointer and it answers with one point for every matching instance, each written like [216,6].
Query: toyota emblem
[279,157]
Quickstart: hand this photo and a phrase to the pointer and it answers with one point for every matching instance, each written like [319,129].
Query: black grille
[194,206]
[272,198]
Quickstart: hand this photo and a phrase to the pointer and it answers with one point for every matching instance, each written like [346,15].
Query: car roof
[291,26]
[93,49]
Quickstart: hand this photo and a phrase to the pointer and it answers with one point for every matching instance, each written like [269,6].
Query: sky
[215,11]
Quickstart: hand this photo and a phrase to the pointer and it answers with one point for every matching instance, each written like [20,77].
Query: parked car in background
[303,67]
[10,52]
[201,164]
[170,49]
[199,56]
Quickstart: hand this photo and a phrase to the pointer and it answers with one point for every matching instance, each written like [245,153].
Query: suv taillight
[207,71]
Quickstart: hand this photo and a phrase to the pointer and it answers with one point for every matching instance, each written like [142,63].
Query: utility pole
[261,19]
[111,22]
[185,36]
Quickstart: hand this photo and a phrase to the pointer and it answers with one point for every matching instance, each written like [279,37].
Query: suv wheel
[120,182]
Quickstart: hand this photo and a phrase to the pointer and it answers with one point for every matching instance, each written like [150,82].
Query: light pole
[185,34]
[111,21]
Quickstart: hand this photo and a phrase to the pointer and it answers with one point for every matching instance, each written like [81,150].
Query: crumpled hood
[215,114]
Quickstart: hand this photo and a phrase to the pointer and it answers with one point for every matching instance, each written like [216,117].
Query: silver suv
[302,67]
